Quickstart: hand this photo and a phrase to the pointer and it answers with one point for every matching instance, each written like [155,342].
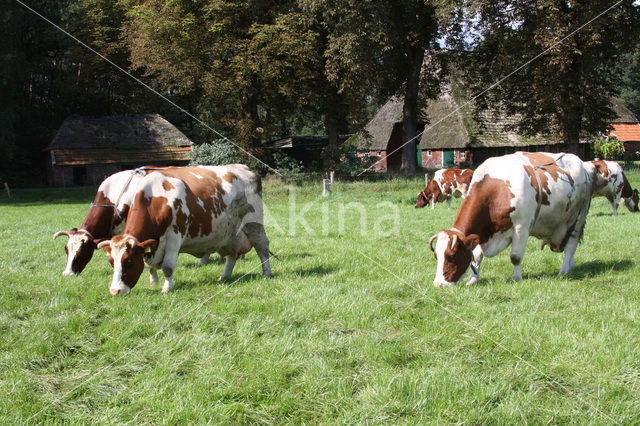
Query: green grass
[332,337]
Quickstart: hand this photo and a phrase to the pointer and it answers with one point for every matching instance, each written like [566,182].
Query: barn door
[448,159]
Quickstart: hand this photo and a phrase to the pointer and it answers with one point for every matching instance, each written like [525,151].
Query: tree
[567,90]
[377,48]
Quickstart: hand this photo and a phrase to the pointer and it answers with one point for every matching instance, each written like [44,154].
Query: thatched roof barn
[454,135]
[87,149]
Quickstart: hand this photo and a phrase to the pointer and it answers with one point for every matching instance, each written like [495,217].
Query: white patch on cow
[117,285]
[196,175]
[74,244]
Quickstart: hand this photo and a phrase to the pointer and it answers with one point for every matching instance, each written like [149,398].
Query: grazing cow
[511,198]
[446,183]
[196,210]
[613,184]
[103,218]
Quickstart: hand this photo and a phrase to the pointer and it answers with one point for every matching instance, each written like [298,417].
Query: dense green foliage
[348,330]
[608,149]
[256,70]
[573,48]
[217,153]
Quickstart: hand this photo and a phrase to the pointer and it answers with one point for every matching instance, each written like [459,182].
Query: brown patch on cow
[601,168]
[486,210]
[542,197]
[626,191]
[149,217]
[100,216]
[545,166]
[167,185]
[207,188]
[229,177]
[182,219]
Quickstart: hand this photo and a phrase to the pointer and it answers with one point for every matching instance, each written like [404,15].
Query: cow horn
[104,243]
[431,242]
[454,241]
[57,234]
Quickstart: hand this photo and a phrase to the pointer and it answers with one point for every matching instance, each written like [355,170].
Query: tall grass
[333,336]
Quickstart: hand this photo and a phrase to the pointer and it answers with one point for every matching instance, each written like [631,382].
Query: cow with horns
[196,210]
[444,184]
[613,184]
[106,216]
[511,198]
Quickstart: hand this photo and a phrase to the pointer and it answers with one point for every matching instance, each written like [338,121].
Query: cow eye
[450,258]
[127,262]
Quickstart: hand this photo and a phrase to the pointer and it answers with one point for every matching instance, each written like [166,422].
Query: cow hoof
[165,290]
[472,281]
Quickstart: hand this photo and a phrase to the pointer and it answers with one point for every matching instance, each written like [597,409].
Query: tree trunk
[572,108]
[330,152]
[409,112]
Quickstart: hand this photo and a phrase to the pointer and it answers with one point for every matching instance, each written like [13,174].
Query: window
[463,155]
[429,153]
[379,153]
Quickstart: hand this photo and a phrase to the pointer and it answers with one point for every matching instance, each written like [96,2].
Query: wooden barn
[454,136]
[86,150]
[305,149]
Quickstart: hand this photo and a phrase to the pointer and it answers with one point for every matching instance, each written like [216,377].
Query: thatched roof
[452,124]
[124,139]
[624,114]
[118,132]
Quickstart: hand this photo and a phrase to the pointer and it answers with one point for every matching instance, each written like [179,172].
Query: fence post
[6,186]
[426,179]
[331,175]
[326,187]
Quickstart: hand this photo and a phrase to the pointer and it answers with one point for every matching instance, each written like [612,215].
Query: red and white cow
[446,183]
[613,184]
[511,198]
[196,210]
[103,218]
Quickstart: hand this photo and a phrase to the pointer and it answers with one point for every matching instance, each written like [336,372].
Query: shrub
[288,167]
[216,153]
[608,149]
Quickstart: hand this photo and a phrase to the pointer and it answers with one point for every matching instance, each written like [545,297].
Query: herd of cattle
[509,198]
[149,215]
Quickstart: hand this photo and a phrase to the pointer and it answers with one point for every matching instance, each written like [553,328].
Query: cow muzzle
[119,290]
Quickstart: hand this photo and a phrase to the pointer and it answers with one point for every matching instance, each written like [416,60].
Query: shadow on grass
[584,270]
[598,267]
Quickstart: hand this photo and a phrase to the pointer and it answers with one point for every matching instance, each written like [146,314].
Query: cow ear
[149,246]
[471,241]
[97,241]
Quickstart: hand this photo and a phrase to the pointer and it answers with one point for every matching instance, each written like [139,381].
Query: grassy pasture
[349,329]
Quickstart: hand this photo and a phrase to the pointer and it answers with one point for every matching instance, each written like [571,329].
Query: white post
[426,179]
[6,186]
[331,175]
[326,187]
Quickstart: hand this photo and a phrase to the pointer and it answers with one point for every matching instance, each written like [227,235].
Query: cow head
[632,202]
[79,248]
[454,253]
[126,255]
[422,199]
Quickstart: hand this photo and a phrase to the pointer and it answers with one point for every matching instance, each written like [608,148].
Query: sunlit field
[348,330]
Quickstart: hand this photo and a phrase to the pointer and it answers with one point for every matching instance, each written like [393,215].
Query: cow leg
[153,276]
[204,260]
[168,267]
[258,238]
[228,267]
[433,203]
[449,203]
[518,247]
[477,260]
[615,204]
